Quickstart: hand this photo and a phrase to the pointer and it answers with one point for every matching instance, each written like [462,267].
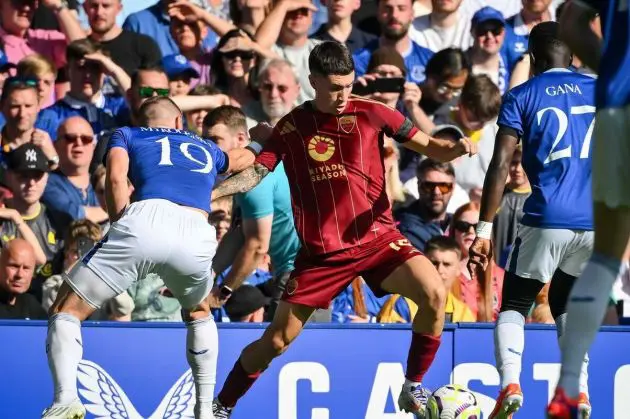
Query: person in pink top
[462,229]
[20,41]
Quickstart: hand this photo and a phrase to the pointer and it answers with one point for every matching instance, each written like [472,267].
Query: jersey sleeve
[394,124]
[272,153]
[510,115]
[258,202]
[220,158]
[120,138]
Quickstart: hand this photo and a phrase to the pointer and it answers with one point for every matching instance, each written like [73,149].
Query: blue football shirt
[416,60]
[171,164]
[553,114]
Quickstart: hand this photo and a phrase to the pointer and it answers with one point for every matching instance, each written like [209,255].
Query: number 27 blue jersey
[553,115]
[171,164]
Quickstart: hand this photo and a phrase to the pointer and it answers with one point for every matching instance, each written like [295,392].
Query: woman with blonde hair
[40,68]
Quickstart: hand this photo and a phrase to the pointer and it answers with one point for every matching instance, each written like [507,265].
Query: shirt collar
[558,70]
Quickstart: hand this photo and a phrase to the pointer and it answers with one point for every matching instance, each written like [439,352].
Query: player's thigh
[416,279]
[68,301]
[287,324]
[537,252]
[577,254]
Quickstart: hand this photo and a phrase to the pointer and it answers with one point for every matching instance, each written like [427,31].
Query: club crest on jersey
[287,128]
[347,123]
[321,148]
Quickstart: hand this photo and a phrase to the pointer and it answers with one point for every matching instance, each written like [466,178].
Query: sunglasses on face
[147,92]
[85,139]
[245,55]
[443,187]
[268,87]
[494,29]
[444,89]
[21,81]
[464,226]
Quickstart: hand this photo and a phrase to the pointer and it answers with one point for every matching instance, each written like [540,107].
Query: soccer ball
[453,401]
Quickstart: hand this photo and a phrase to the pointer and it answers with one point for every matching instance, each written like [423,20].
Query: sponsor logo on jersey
[321,148]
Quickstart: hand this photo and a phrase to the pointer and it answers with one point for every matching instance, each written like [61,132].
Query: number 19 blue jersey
[553,115]
[171,164]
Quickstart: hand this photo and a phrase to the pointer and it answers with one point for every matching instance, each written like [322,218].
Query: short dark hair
[135,77]
[330,58]
[443,244]
[481,97]
[545,43]
[204,90]
[155,107]
[78,49]
[447,63]
[231,116]
[13,84]
[430,164]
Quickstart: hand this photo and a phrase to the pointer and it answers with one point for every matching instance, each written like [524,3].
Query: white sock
[561,321]
[410,384]
[64,348]
[509,342]
[202,351]
[585,311]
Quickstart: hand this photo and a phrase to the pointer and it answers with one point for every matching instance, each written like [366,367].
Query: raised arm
[116,186]
[241,182]
[440,149]
[269,30]
[67,19]
[576,29]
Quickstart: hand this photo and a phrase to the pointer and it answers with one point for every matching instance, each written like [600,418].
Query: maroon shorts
[316,280]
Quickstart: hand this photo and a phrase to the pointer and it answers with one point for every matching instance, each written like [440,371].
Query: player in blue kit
[611,171]
[165,231]
[552,115]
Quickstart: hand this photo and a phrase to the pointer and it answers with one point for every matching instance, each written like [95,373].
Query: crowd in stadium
[70,75]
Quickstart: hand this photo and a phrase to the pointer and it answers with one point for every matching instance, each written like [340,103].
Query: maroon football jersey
[334,164]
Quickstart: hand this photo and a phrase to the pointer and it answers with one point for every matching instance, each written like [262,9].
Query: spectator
[426,217]
[82,235]
[463,225]
[129,50]
[220,220]
[394,17]
[279,89]
[520,25]
[19,41]
[510,213]
[155,21]
[444,254]
[69,189]
[180,74]
[446,26]
[17,265]
[285,32]
[19,103]
[475,113]
[232,68]
[189,39]
[226,127]
[26,177]
[45,18]
[358,304]
[38,67]
[340,28]
[488,30]
[194,119]
[6,69]
[247,304]
[249,14]
[87,67]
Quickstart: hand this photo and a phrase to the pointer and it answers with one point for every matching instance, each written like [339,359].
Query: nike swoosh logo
[515,352]
[198,353]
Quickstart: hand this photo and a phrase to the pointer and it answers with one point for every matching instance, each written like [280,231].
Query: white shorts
[611,154]
[538,252]
[152,236]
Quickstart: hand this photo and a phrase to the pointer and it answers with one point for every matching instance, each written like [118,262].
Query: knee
[432,296]
[278,344]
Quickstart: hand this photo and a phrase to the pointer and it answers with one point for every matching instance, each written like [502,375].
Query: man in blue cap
[486,57]
[180,73]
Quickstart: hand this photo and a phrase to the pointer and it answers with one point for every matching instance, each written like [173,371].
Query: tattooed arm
[241,182]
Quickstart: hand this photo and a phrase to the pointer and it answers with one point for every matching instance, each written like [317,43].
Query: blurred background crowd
[73,71]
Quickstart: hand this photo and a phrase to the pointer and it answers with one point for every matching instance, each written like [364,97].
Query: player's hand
[261,132]
[41,139]
[465,146]
[411,95]
[185,11]
[357,319]
[214,298]
[293,5]
[479,255]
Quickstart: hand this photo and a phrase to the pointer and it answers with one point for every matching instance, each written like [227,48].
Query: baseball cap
[27,157]
[487,13]
[5,64]
[245,300]
[448,129]
[177,65]
[386,56]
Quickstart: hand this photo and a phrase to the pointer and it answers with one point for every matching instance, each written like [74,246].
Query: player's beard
[396,34]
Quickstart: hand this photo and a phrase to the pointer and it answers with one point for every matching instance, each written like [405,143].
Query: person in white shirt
[446,26]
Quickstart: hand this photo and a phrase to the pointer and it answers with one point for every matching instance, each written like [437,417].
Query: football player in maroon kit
[332,149]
